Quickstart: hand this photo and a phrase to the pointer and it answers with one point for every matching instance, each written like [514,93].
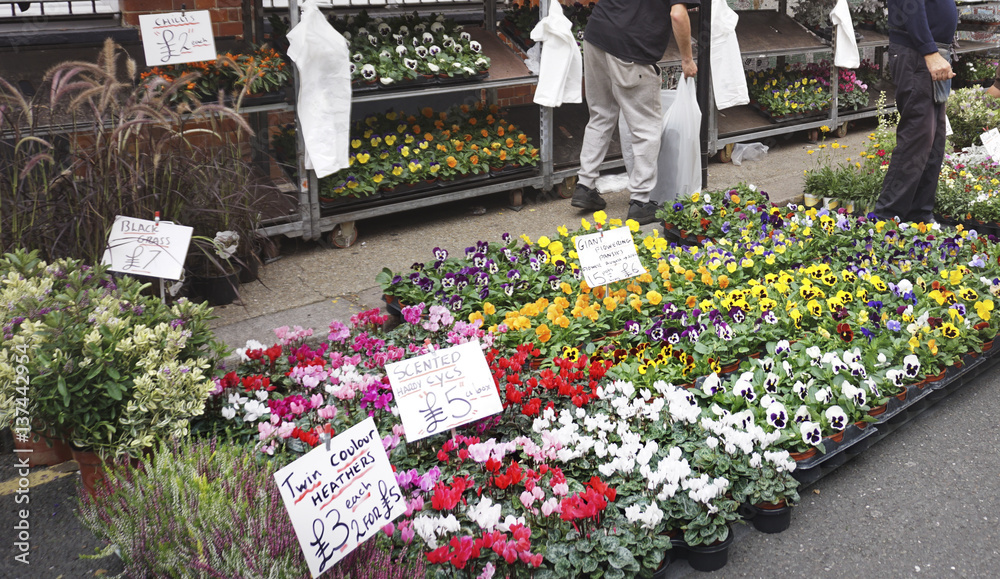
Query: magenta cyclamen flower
[412,314]
[338,331]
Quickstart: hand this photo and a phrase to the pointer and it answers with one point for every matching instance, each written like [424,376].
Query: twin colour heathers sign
[142,247]
[443,389]
[177,37]
[340,498]
[608,256]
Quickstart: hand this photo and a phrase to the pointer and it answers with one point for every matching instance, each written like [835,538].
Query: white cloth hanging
[560,74]
[729,81]
[846,55]
[322,57]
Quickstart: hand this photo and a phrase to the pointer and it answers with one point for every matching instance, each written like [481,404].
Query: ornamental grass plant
[93,143]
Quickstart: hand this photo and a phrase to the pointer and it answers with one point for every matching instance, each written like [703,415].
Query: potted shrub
[112,370]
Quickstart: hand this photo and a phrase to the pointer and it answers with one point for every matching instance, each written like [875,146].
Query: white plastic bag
[748,152]
[847,55]
[729,82]
[322,58]
[560,72]
[679,164]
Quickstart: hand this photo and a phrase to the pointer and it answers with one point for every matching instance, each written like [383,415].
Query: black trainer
[586,198]
[643,213]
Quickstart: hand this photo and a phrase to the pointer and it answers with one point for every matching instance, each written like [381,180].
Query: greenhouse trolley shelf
[507,69]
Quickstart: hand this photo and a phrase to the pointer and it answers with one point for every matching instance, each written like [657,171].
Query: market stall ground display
[401,153]
[620,422]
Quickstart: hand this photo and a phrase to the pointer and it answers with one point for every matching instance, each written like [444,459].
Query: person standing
[994,90]
[921,33]
[623,41]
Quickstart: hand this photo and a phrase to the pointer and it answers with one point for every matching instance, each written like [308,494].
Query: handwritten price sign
[177,37]
[143,247]
[443,389]
[608,256]
[340,498]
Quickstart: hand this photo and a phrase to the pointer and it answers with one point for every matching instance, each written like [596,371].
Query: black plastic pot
[217,290]
[767,520]
[710,557]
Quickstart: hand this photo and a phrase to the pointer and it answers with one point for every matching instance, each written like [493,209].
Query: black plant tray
[789,117]
[897,414]
[509,170]
[410,189]
[344,202]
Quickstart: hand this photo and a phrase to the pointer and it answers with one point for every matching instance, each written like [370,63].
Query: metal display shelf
[506,69]
[774,34]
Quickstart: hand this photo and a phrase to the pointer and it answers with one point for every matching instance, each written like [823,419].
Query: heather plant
[204,509]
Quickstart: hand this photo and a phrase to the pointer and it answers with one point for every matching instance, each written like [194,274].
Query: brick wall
[227,15]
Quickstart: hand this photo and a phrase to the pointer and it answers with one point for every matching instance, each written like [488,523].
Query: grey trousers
[613,86]
[912,177]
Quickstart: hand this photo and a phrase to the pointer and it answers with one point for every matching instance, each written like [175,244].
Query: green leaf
[589,564]
[61,387]
[584,545]
[115,375]
[621,558]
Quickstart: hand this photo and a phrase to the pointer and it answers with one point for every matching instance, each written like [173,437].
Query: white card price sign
[608,256]
[143,247]
[991,140]
[177,37]
[443,389]
[340,498]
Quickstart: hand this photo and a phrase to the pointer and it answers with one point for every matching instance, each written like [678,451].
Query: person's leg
[923,199]
[603,111]
[637,90]
[915,134]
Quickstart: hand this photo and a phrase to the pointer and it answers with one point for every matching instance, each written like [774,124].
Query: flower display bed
[400,154]
[803,90]
[409,51]
[620,424]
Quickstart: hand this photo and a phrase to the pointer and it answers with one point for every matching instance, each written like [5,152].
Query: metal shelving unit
[506,70]
[767,33]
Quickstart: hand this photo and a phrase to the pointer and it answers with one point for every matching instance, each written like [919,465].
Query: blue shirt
[921,24]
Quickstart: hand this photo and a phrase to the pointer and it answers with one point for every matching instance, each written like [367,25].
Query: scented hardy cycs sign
[341,497]
[608,256]
[443,389]
[177,37]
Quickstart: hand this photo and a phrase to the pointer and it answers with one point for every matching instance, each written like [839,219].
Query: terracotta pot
[902,395]
[987,346]
[800,456]
[880,409]
[839,437]
[42,450]
[928,380]
[91,469]
[730,367]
